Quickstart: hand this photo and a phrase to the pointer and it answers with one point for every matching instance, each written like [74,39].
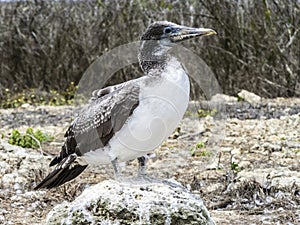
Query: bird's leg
[115,165]
[142,166]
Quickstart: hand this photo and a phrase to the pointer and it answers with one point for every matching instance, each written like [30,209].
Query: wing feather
[99,121]
[92,129]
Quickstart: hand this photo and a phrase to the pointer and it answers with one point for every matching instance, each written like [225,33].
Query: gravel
[252,175]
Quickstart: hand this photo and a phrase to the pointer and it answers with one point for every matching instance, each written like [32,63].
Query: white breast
[163,102]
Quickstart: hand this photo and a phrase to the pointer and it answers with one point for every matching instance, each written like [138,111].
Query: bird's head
[160,36]
[167,33]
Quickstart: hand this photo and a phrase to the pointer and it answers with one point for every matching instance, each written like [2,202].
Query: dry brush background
[45,45]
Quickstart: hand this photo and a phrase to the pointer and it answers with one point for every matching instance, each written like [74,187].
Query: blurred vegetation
[37,97]
[204,113]
[199,150]
[46,45]
[201,113]
[31,139]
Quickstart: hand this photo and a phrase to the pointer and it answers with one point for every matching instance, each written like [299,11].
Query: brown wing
[99,121]
[91,130]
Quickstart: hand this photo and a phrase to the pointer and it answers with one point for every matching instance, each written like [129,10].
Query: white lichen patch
[112,202]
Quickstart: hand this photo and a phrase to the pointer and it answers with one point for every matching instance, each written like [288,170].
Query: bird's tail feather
[65,171]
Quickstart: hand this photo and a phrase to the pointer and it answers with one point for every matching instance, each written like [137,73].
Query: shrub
[31,139]
[46,45]
[37,97]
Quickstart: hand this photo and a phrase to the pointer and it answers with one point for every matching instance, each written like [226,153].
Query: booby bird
[129,120]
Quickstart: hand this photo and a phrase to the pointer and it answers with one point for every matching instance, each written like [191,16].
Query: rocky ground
[245,166]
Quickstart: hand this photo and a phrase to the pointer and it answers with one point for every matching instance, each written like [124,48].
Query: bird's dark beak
[182,33]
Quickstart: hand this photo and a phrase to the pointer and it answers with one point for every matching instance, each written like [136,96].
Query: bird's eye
[167,30]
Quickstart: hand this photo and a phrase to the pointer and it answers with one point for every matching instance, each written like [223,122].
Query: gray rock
[279,178]
[223,98]
[112,202]
[19,166]
[250,97]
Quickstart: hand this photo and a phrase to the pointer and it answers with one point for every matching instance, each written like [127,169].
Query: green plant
[201,113]
[234,166]
[199,150]
[31,138]
[240,99]
[204,113]
[200,144]
[296,151]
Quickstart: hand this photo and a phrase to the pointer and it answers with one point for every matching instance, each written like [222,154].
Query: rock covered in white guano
[112,202]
